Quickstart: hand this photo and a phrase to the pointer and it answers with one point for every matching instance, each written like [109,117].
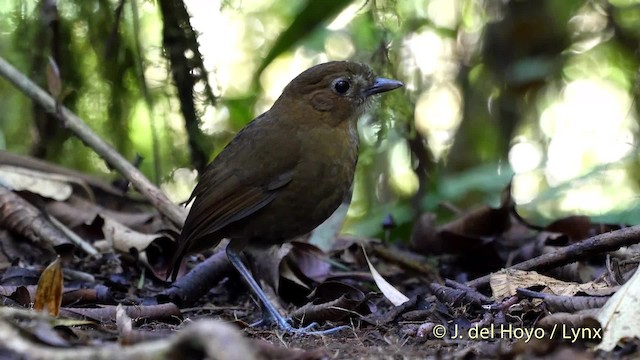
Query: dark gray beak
[381,85]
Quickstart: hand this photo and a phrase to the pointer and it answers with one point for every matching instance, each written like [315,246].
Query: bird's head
[336,91]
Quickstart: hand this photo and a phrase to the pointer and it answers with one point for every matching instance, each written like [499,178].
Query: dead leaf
[54,83]
[49,293]
[465,234]
[123,238]
[576,227]
[332,301]
[391,293]
[48,185]
[619,317]
[505,282]
[304,262]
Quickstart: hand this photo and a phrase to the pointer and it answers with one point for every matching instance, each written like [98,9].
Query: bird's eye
[341,86]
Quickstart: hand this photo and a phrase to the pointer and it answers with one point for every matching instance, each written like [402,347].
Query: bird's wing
[228,201]
[244,178]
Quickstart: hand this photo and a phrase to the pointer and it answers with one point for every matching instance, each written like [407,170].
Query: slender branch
[69,120]
[609,241]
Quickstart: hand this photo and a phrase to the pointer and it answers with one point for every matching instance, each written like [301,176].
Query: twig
[469,291]
[68,119]
[565,303]
[77,240]
[600,243]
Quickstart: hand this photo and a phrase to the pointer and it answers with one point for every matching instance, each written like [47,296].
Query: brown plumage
[286,171]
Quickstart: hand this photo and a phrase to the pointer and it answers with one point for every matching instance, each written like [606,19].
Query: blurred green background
[543,91]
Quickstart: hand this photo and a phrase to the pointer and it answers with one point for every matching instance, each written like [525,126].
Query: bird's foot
[269,312]
[285,325]
[308,330]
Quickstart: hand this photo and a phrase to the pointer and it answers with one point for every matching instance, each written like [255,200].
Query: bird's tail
[176,261]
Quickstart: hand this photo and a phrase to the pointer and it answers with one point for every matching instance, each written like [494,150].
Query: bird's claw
[286,326]
[307,330]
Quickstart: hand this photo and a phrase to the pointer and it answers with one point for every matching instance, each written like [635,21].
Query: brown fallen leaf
[332,301]
[23,218]
[505,283]
[49,292]
[309,260]
[465,234]
[147,248]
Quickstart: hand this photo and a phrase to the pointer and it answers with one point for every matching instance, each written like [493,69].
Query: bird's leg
[233,252]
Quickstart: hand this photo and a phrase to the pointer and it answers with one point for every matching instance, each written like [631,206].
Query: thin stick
[69,120]
[612,240]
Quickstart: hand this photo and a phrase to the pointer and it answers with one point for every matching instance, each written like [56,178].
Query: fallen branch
[197,282]
[581,250]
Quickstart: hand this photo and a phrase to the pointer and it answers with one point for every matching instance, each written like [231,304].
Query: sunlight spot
[344,18]
[181,184]
[525,156]
[214,119]
[226,52]
[525,187]
[444,13]
[339,47]
[591,198]
[278,74]
[402,177]
[591,124]
[425,49]
[427,57]
[437,115]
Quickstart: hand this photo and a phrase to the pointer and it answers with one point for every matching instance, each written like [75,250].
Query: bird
[285,172]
